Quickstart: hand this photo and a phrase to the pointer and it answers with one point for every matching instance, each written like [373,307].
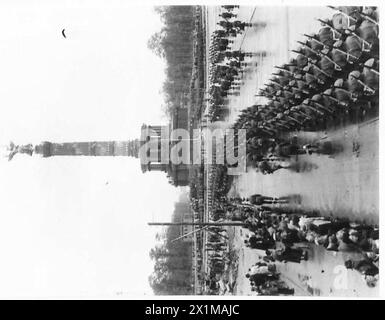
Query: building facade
[157,156]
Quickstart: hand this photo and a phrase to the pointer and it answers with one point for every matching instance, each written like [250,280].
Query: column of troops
[335,72]
[226,65]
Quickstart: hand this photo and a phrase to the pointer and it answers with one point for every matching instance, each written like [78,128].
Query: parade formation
[272,138]
[331,81]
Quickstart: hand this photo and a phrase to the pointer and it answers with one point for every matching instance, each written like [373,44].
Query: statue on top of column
[14,149]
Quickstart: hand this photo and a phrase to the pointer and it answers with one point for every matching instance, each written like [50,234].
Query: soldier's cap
[298,76]
[316,98]
[306,68]
[306,101]
[339,83]
[369,63]
[354,74]
[338,43]
[292,83]
[328,92]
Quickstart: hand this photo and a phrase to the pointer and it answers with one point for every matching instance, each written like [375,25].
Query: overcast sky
[76,226]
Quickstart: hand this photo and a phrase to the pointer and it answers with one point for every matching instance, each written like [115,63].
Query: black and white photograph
[171,150]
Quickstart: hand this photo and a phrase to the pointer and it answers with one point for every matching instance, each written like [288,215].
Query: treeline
[174,43]
[172,273]
[198,72]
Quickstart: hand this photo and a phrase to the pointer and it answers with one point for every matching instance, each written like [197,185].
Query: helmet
[316,98]
[339,83]
[328,92]
[369,63]
[354,74]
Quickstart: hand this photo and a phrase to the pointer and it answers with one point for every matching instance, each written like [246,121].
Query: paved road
[345,184]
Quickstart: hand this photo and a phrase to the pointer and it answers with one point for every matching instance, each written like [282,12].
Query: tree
[172,272]
[155,44]
[174,43]
[157,253]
